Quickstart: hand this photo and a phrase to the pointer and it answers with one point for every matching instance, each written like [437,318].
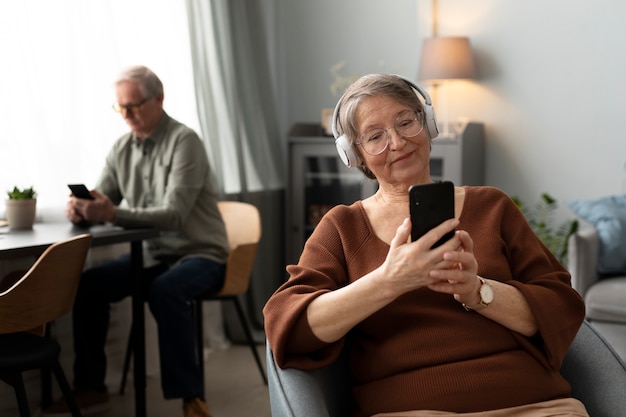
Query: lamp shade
[446,58]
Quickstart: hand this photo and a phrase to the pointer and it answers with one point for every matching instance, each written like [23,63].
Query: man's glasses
[375,141]
[132,108]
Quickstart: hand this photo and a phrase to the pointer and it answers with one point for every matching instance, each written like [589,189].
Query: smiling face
[140,115]
[406,160]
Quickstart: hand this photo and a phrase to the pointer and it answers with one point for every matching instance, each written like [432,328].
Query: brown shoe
[196,407]
[89,401]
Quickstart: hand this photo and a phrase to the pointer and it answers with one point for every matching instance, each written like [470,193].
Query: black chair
[593,369]
[43,294]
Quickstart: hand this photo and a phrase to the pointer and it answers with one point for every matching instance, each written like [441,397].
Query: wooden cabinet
[318,180]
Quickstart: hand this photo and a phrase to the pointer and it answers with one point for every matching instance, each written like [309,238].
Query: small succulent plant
[22,194]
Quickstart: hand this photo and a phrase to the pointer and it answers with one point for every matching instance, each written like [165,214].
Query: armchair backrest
[596,373]
[593,369]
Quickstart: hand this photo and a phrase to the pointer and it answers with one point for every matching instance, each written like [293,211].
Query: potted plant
[555,237]
[21,208]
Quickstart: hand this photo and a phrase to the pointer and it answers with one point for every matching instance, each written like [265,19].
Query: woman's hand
[509,307]
[461,279]
[408,264]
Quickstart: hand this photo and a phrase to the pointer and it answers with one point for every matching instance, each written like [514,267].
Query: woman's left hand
[461,279]
[509,307]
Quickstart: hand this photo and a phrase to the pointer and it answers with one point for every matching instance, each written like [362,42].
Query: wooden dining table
[33,242]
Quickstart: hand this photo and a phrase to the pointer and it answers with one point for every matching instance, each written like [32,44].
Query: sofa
[597,263]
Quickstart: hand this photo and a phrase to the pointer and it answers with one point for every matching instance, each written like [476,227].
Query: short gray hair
[372,85]
[149,84]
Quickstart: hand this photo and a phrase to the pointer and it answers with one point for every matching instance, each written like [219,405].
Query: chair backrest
[243,229]
[47,290]
[593,369]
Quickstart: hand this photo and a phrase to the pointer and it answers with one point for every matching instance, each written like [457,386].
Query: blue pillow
[608,215]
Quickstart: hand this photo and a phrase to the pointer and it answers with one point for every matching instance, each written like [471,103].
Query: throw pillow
[608,215]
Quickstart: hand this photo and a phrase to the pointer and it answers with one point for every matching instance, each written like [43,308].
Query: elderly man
[160,169]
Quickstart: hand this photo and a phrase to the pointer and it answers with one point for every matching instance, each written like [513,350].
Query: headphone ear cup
[345,151]
[431,121]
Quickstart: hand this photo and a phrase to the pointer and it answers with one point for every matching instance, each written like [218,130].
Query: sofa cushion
[606,300]
[608,216]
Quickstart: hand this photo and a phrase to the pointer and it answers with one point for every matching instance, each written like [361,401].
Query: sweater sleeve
[322,268]
[538,275]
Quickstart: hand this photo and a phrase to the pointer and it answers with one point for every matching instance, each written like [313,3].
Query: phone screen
[430,205]
[80,191]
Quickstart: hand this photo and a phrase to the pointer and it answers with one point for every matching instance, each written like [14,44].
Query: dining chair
[243,229]
[41,295]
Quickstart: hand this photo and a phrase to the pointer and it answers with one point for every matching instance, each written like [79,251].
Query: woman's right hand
[408,264]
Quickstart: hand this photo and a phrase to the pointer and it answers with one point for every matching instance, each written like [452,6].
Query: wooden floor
[233,388]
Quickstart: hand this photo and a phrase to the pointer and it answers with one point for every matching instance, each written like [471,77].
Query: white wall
[312,36]
[550,87]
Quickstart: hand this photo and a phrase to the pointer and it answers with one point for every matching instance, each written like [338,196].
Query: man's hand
[98,210]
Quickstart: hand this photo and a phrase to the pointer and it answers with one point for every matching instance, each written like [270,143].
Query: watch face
[486,293]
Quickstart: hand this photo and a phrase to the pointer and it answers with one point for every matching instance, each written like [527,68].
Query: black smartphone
[431,205]
[80,191]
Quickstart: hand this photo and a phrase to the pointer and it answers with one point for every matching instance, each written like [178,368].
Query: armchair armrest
[321,393]
[582,257]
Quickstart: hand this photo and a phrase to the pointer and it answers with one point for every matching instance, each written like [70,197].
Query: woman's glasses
[375,141]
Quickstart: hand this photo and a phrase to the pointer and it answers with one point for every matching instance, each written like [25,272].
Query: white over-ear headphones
[346,151]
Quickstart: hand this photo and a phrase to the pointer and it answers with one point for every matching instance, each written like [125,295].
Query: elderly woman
[476,326]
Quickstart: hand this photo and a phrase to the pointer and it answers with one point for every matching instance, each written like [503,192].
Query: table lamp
[445,59]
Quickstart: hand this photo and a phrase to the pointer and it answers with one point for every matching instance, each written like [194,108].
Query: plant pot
[20,214]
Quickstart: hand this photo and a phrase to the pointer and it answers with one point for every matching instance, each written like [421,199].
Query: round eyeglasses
[375,141]
[133,107]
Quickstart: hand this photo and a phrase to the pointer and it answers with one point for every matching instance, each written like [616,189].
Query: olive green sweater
[424,351]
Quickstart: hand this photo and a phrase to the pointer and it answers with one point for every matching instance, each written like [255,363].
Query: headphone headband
[344,148]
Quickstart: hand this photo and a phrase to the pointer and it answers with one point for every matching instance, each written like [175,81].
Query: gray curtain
[240,126]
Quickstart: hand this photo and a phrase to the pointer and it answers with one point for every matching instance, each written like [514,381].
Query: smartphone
[431,205]
[80,191]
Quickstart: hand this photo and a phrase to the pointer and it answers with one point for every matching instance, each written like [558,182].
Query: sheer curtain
[238,119]
[234,95]
[59,61]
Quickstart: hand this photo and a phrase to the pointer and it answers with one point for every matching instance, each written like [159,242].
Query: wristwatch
[486,296]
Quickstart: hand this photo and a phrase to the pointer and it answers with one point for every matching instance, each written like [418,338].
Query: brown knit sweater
[424,351]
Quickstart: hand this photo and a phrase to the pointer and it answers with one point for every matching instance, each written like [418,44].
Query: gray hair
[149,84]
[372,85]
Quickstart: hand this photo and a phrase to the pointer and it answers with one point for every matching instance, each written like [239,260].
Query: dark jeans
[168,292]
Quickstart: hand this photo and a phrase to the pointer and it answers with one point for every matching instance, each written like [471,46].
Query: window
[59,60]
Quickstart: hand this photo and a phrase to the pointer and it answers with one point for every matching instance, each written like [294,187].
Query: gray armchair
[605,297]
[596,373]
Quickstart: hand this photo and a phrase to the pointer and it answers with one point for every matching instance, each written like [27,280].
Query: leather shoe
[196,407]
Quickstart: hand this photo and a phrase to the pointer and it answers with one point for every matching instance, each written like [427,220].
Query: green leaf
[22,194]
[554,237]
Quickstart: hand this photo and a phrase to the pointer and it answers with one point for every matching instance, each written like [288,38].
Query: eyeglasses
[408,124]
[133,108]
